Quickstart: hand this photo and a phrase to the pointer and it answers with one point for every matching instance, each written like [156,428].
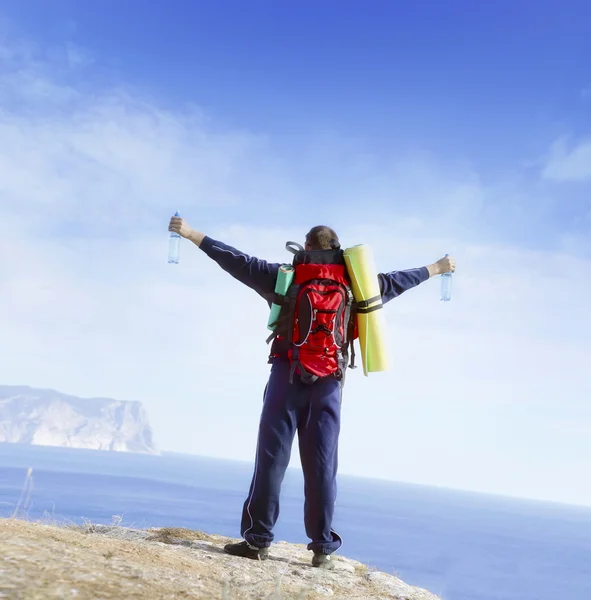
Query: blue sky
[479,88]
[421,128]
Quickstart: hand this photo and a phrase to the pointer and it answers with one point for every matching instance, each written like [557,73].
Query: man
[311,409]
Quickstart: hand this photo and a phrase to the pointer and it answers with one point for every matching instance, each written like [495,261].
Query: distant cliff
[50,418]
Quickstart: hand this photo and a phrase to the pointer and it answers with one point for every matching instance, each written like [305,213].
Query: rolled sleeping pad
[284,279]
[370,314]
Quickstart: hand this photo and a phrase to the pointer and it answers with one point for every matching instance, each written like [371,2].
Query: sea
[458,545]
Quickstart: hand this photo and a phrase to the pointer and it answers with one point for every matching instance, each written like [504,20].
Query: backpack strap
[294,247]
[280,301]
[305,376]
[350,318]
[284,319]
[363,306]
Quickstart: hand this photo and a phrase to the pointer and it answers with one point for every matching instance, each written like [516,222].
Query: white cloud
[107,157]
[128,158]
[487,392]
[569,164]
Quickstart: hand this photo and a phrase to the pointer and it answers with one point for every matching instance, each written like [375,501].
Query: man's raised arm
[397,282]
[253,272]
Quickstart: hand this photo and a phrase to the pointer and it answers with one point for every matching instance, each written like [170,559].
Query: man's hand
[178,225]
[443,265]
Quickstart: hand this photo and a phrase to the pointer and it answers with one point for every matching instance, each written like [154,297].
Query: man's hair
[322,237]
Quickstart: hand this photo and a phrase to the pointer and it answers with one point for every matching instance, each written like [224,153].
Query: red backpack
[317,323]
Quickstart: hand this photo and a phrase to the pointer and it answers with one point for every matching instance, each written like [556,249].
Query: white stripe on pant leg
[254,481]
[256,468]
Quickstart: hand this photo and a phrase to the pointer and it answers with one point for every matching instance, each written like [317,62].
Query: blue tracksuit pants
[314,411]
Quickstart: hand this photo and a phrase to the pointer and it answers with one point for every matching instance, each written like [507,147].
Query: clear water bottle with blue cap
[446,286]
[174,245]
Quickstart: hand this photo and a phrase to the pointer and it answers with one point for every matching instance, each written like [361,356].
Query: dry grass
[174,535]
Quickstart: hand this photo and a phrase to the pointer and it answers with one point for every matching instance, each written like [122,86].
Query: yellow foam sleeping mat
[370,316]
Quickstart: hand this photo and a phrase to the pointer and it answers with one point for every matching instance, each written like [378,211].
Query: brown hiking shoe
[245,550]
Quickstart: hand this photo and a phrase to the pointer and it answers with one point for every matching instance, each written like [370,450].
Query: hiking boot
[322,561]
[245,550]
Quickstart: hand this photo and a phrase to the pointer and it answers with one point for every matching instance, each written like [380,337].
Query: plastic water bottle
[174,245]
[446,286]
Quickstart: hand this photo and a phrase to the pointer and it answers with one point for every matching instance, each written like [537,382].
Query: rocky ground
[40,561]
